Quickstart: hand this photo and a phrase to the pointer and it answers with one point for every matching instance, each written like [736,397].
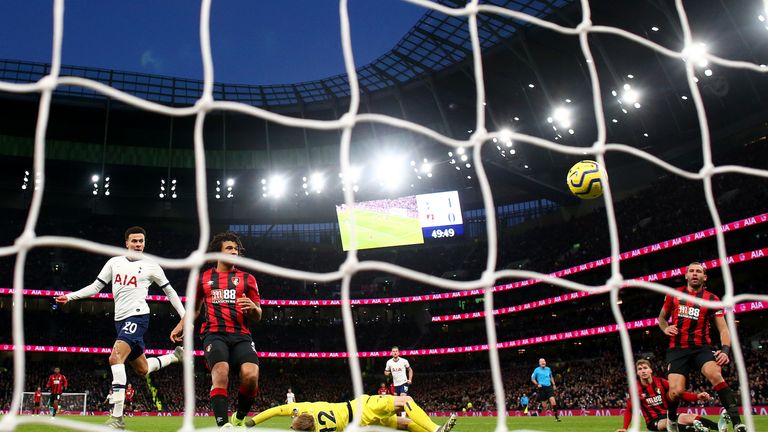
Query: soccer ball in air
[585,179]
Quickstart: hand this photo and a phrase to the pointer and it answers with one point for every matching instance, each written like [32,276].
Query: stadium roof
[436,42]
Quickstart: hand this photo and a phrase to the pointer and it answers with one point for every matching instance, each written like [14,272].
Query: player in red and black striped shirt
[229,301]
[653,403]
[690,346]
[57,382]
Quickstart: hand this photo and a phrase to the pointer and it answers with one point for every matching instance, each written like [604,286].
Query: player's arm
[410,375]
[250,303]
[694,397]
[387,372]
[669,330]
[177,334]
[552,381]
[627,415]
[91,290]
[533,379]
[291,409]
[723,355]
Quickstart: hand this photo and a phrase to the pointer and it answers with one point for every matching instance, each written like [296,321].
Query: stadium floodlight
[95,178]
[275,186]
[696,53]
[561,116]
[708,72]
[230,182]
[317,182]
[389,171]
[630,95]
[654,28]
[25,183]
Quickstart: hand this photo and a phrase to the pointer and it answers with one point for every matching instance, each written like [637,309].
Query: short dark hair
[218,239]
[135,230]
[700,264]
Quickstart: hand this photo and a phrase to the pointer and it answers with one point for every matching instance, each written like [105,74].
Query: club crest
[235,281]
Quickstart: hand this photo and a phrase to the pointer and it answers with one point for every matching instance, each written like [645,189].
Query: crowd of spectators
[580,385]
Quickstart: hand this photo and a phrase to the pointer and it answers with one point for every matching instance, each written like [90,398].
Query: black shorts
[54,398]
[232,348]
[37,404]
[653,425]
[546,392]
[683,360]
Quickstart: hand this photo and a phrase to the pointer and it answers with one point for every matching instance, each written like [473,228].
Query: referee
[542,378]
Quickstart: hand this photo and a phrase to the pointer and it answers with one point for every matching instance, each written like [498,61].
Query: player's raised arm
[104,277]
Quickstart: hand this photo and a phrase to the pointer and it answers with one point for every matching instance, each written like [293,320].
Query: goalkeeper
[376,411]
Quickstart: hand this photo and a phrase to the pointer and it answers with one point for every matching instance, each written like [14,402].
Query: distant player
[129,392]
[109,401]
[376,411]
[653,403]
[402,374]
[130,284]
[690,345]
[38,401]
[290,397]
[57,383]
[543,380]
[524,403]
[400,369]
[231,299]
[383,389]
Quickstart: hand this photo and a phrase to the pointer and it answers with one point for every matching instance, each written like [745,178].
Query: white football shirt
[130,285]
[399,370]
[290,398]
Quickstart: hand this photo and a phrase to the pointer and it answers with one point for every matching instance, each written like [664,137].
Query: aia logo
[125,280]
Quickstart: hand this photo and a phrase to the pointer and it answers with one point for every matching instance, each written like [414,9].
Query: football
[585,179]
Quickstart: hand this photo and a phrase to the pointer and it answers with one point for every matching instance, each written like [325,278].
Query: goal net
[480,136]
[73,403]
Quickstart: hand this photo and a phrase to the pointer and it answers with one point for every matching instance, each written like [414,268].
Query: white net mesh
[352,265]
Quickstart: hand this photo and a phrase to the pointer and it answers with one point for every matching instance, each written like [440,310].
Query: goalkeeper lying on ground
[380,410]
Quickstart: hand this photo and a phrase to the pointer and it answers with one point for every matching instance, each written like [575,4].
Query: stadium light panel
[696,53]
[95,178]
[562,116]
[230,182]
[317,182]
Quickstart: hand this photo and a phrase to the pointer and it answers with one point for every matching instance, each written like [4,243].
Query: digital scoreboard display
[401,221]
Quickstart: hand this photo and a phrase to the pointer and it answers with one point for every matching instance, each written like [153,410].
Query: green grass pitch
[464,424]
[379,230]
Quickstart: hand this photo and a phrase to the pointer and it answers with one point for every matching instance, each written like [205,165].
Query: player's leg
[55,405]
[243,357]
[712,372]
[249,387]
[697,423]
[554,407]
[415,412]
[676,389]
[217,356]
[121,350]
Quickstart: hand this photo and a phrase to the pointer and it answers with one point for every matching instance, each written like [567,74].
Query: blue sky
[253,41]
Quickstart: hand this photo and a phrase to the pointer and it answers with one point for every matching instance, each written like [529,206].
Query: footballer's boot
[178,352]
[448,424]
[722,424]
[672,426]
[115,422]
[699,427]
[236,422]
[226,426]
[740,428]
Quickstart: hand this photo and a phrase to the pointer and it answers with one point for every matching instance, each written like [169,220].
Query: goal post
[72,402]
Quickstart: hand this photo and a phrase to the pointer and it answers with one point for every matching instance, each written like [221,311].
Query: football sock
[707,422]
[729,401]
[156,363]
[244,401]
[219,405]
[118,389]
[419,416]
[672,410]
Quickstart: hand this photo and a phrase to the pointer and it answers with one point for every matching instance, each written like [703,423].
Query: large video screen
[401,221]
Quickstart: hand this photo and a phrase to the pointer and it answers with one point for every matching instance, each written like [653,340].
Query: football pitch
[464,424]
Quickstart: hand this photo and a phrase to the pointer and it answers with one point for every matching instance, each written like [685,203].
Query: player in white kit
[402,374]
[130,281]
[290,397]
